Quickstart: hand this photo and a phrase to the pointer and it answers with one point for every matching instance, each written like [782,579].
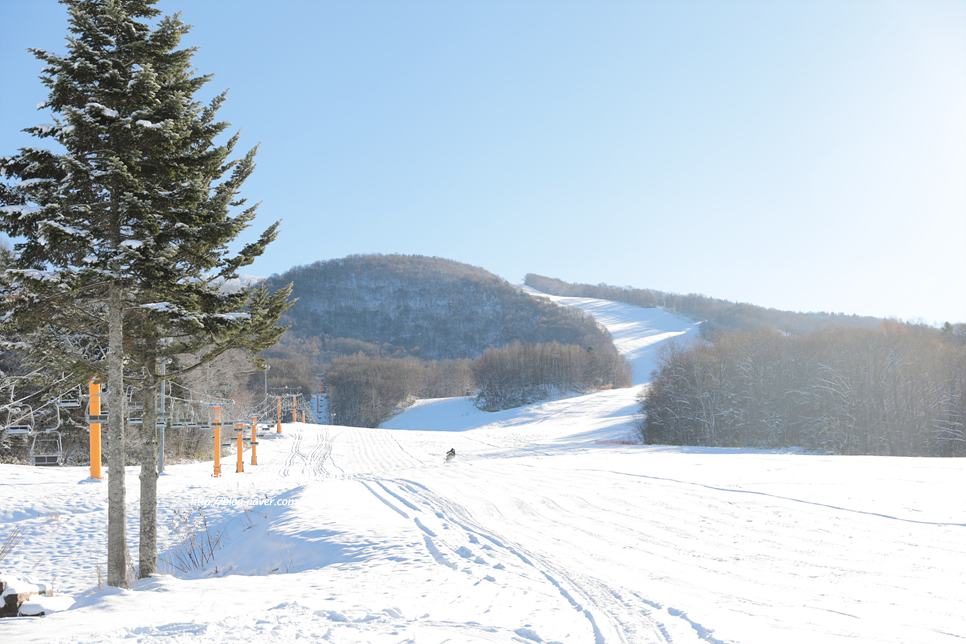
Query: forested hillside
[427,307]
[826,382]
[898,390]
[385,329]
[717,315]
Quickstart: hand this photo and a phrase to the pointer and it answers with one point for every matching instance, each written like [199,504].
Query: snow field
[533,534]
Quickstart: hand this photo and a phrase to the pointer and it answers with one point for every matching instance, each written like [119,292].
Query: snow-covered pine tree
[162,330]
[130,218]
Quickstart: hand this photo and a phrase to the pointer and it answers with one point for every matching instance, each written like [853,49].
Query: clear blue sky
[798,155]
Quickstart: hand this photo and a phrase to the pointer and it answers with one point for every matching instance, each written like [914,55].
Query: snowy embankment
[534,534]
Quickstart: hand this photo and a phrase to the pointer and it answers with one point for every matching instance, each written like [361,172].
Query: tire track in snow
[312,459]
[385,501]
[293,453]
[590,597]
[326,456]
[788,498]
[405,451]
[428,535]
[316,458]
[614,614]
[580,591]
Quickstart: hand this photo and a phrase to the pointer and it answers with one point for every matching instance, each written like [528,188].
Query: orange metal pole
[278,414]
[294,419]
[238,447]
[254,439]
[94,390]
[217,451]
[217,425]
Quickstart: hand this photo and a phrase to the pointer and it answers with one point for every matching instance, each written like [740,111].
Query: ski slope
[535,533]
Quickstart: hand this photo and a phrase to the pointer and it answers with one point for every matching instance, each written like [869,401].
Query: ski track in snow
[533,534]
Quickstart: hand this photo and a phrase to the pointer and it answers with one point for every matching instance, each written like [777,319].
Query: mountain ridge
[426,307]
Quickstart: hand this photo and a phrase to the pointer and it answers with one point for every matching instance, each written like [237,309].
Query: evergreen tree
[158,333]
[130,222]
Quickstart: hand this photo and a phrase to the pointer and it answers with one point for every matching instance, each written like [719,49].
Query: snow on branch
[232,317]
[22,210]
[34,274]
[166,307]
[106,111]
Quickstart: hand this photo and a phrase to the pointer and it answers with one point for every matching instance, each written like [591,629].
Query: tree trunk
[116,538]
[148,547]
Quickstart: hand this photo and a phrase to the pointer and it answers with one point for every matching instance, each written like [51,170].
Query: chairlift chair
[187,417]
[97,418]
[20,420]
[130,402]
[227,432]
[182,416]
[134,409]
[47,447]
[70,400]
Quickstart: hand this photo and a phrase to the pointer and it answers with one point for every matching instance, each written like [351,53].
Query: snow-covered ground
[535,533]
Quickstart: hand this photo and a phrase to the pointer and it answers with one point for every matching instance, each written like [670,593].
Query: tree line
[717,316]
[520,374]
[366,390]
[898,390]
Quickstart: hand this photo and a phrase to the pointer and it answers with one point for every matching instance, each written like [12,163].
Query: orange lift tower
[240,466]
[94,389]
[217,425]
[254,439]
